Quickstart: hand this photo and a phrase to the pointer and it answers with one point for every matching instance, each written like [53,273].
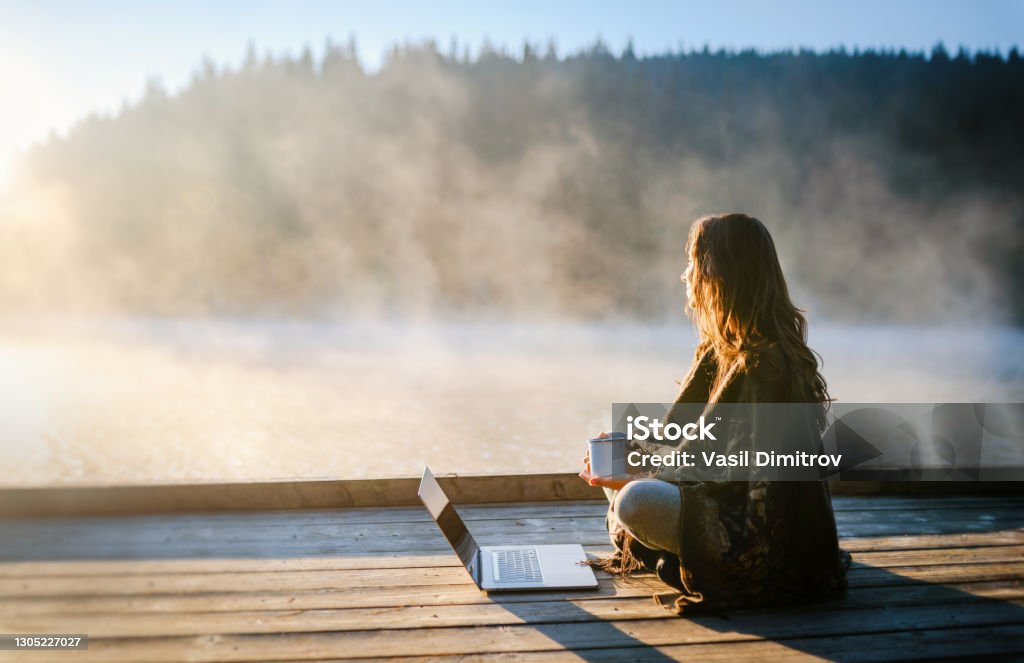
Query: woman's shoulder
[767,373]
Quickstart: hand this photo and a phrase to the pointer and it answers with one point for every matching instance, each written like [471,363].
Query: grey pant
[649,510]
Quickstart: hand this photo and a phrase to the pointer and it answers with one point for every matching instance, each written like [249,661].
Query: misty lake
[135,401]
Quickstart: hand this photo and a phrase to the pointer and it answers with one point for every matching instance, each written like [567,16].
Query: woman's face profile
[685,278]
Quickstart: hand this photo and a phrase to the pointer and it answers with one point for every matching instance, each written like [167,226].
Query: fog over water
[152,401]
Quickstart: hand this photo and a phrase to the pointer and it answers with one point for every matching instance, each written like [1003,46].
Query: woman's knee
[641,500]
[649,510]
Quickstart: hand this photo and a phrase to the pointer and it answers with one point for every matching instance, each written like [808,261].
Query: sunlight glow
[36,105]
[6,171]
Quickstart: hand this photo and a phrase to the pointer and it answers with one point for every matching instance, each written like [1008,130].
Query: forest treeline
[532,185]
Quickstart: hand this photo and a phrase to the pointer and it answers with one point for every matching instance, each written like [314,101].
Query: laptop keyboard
[519,565]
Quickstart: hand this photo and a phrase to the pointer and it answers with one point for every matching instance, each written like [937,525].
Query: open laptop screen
[454,529]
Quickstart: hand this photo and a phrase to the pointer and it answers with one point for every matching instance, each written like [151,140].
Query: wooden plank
[1011,514]
[887,558]
[368,595]
[471,513]
[934,502]
[339,597]
[426,544]
[555,636]
[313,494]
[429,543]
[116,540]
[270,581]
[870,576]
[120,568]
[142,567]
[922,488]
[360,515]
[331,561]
[640,606]
[928,541]
[298,580]
[254,526]
[343,534]
[925,644]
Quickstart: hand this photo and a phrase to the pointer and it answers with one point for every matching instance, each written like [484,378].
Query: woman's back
[753,541]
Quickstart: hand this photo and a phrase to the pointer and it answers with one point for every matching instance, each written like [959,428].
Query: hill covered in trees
[532,185]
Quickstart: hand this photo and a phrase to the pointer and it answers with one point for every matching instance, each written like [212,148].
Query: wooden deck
[932,577]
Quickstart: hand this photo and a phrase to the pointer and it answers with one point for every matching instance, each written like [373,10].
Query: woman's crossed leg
[648,509]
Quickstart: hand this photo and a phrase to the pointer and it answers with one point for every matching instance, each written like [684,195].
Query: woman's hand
[604,482]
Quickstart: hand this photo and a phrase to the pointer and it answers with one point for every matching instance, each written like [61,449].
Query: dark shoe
[667,569]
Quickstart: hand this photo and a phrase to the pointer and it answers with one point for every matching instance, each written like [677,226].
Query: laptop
[502,568]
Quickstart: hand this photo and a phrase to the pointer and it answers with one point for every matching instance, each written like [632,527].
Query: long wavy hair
[740,305]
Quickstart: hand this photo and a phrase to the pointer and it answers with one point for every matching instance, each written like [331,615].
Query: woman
[750,541]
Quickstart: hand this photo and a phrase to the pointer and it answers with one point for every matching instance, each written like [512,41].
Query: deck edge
[390,492]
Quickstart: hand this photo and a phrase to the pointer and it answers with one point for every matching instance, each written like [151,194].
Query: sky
[62,59]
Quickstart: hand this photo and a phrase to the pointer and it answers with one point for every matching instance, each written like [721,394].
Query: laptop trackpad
[562,566]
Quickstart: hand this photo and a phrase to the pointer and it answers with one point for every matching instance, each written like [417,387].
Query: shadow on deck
[932,577]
